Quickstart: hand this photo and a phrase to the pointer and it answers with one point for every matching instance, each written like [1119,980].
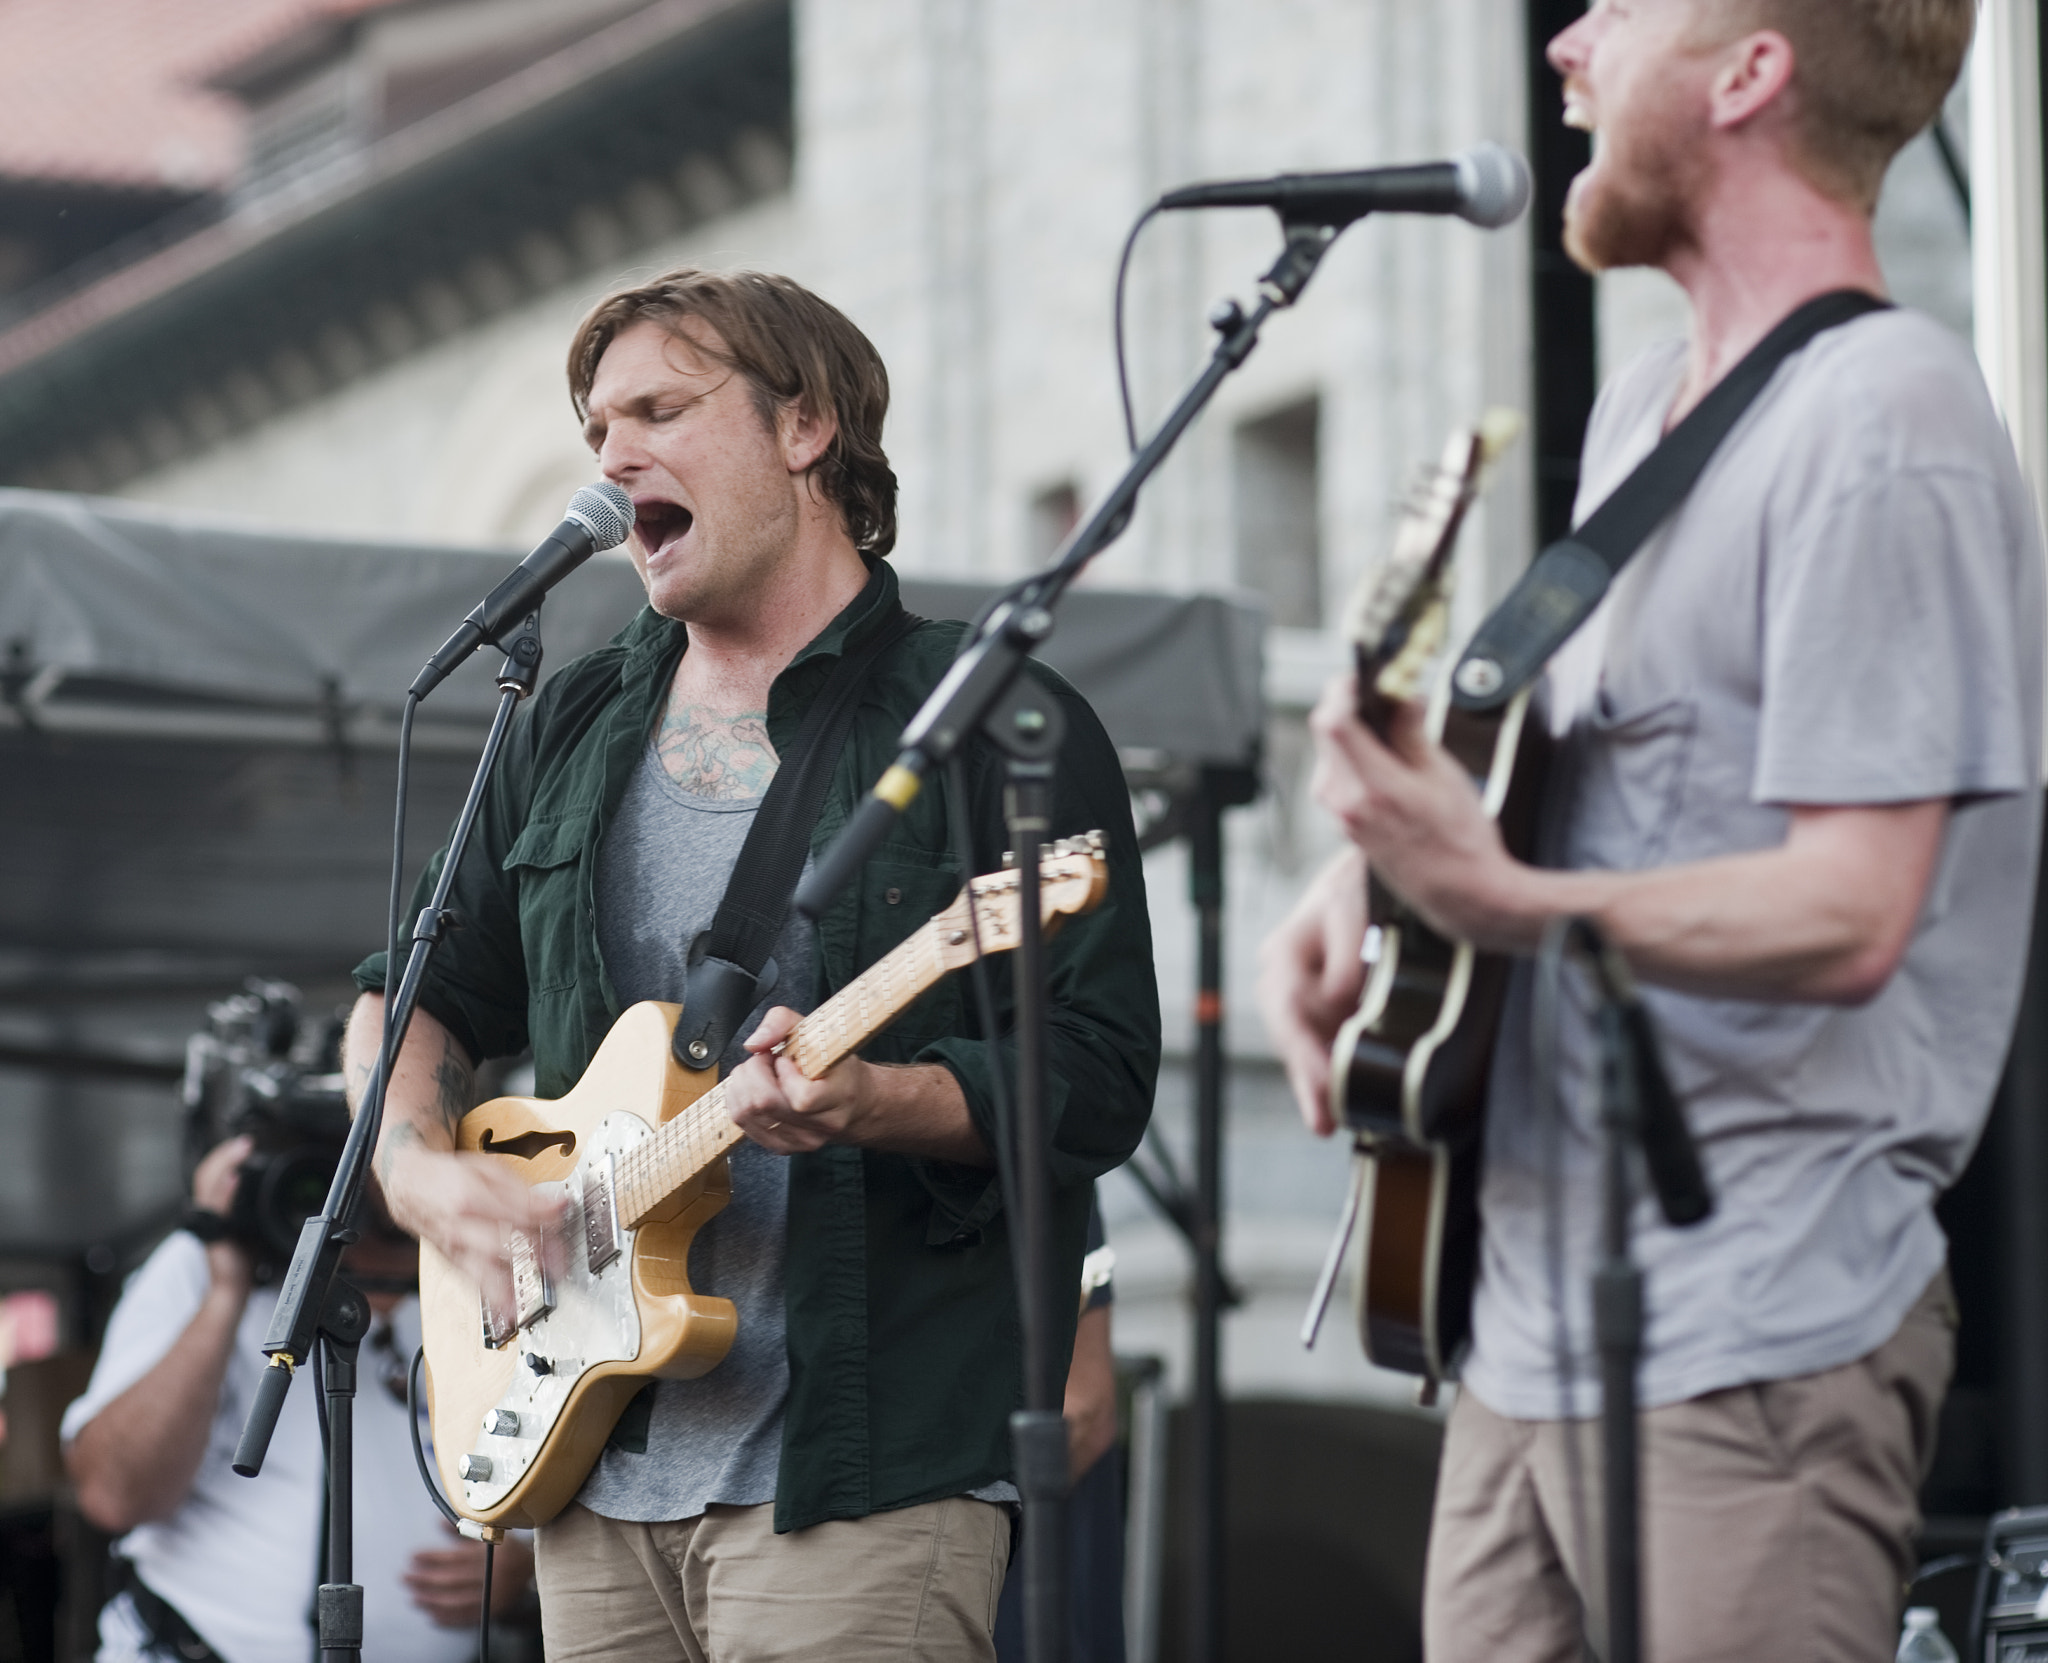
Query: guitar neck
[1375,709]
[677,1155]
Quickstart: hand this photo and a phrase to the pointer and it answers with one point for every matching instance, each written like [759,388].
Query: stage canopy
[197,731]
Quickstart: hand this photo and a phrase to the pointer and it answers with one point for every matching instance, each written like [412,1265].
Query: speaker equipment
[2010,1621]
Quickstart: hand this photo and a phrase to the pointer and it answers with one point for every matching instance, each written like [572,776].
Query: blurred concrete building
[314,263]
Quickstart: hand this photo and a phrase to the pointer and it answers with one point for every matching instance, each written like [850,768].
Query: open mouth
[660,524]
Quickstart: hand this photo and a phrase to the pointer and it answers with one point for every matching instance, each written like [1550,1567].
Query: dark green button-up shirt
[904,1343]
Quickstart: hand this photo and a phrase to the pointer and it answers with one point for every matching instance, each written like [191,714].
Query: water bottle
[1922,1641]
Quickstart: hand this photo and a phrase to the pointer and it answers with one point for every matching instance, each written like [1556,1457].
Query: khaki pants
[1778,1519]
[918,1583]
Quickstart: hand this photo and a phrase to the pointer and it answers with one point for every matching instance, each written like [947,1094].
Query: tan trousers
[918,1583]
[1778,1519]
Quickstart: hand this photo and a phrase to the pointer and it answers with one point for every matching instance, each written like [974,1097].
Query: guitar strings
[684,1146]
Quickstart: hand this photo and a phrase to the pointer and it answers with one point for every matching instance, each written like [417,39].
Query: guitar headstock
[1400,614]
[1073,876]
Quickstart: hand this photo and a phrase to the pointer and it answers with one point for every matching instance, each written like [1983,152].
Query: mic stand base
[344,1320]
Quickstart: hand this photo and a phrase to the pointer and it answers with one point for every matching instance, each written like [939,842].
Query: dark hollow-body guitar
[1409,1069]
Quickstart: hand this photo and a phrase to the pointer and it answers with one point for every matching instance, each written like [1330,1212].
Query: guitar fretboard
[650,1174]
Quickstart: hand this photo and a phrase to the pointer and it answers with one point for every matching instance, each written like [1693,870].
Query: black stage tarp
[197,733]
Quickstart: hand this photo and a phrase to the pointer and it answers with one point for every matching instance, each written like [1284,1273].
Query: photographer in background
[225,1567]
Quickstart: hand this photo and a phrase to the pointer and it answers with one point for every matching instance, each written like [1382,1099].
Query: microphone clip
[520,673]
[1308,239]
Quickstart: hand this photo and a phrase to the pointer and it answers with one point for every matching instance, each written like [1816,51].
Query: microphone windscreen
[1496,185]
[605,511]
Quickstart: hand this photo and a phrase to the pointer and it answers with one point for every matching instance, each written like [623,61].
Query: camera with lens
[259,1069]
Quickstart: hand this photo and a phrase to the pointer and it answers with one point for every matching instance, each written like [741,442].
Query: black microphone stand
[314,1305]
[976,695]
[1637,1112]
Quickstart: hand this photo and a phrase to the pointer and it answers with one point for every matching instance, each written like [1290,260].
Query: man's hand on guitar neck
[1415,813]
[463,1204]
[913,1110]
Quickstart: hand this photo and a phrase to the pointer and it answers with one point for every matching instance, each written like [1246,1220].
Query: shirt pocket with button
[546,863]
[1629,773]
[900,892]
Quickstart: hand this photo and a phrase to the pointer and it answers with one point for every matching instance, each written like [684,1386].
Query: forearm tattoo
[397,1135]
[454,1086]
[454,1097]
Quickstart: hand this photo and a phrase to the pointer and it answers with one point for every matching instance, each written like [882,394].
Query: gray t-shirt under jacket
[1846,610]
[662,869]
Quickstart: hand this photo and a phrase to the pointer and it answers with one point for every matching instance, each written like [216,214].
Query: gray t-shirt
[1847,609]
[662,868]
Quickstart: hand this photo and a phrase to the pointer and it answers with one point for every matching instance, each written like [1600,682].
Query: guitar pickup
[532,1297]
[600,1216]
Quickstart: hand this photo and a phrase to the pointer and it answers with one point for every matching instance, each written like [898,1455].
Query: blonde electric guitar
[524,1399]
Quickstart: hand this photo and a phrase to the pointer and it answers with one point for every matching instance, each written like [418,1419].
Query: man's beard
[1637,209]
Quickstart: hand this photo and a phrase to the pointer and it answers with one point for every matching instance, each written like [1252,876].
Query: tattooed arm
[461,1203]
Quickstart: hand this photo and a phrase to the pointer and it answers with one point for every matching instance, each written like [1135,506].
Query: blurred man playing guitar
[1796,781]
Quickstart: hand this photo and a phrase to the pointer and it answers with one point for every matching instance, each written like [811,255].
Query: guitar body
[1409,1075]
[607,1332]
[1419,1254]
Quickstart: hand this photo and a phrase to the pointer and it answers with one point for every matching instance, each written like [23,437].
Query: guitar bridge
[600,1216]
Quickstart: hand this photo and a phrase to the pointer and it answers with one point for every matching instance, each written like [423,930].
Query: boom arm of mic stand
[316,1259]
[984,671]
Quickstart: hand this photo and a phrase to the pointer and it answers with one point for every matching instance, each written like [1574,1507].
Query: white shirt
[238,1558]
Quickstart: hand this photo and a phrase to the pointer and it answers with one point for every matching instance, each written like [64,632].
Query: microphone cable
[1123,373]
[1013,590]
[419,1456]
[387,1061]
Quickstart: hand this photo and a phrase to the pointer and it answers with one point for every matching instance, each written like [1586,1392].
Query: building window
[1279,540]
[1055,511]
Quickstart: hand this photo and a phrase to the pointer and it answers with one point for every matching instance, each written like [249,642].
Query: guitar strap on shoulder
[1566,581]
[726,961]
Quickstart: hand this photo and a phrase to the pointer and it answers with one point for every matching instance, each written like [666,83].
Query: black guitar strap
[1566,580]
[726,961]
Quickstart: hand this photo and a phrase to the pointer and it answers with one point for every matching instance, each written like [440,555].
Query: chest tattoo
[713,753]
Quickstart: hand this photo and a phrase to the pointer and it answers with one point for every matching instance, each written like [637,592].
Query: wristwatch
[203,1222]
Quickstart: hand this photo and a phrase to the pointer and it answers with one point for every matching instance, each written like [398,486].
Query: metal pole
[1206,1486]
[2022,1144]
[1560,294]
[1028,728]
[1618,1331]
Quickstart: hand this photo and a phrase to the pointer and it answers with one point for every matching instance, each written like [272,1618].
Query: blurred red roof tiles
[109,92]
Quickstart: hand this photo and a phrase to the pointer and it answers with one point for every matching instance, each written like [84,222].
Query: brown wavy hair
[791,347]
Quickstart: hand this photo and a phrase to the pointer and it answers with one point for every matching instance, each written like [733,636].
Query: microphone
[1488,185]
[599,517]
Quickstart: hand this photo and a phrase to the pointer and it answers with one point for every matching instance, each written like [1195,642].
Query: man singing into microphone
[1799,787]
[838,1488]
